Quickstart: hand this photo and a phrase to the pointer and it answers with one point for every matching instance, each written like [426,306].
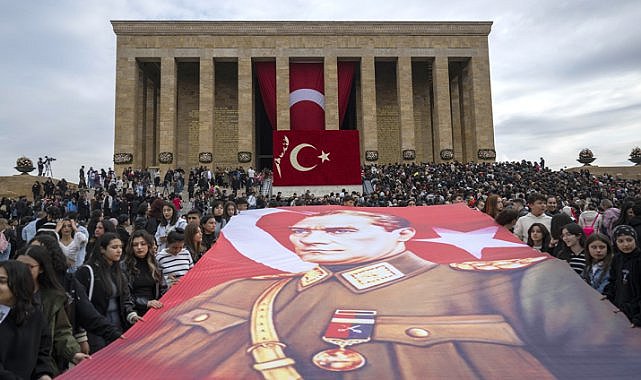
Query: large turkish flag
[306,97]
[316,158]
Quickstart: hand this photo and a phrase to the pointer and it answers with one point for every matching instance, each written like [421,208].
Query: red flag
[316,158]
[306,97]
[466,282]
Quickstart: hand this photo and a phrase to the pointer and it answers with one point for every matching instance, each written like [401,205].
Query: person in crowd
[573,241]
[493,205]
[25,340]
[154,215]
[539,237]
[193,241]
[210,227]
[170,222]
[49,223]
[107,287]
[590,219]
[556,225]
[72,242]
[95,217]
[141,216]
[193,216]
[625,273]
[230,210]
[122,227]
[610,216]
[635,219]
[82,314]
[551,207]
[5,241]
[146,283]
[29,231]
[598,261]
[626,213]
[536,203]
[174,261]
[507,218]
[102,227]
[52,299]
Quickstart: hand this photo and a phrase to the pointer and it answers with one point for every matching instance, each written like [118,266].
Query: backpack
[590,230]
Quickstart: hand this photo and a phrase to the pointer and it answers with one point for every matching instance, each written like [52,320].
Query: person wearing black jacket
[624,290]
[82,314]
[25,346]
[146,282]
[107,287]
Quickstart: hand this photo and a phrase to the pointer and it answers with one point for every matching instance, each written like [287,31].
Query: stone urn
[586,157]
[635,156]
[24,165]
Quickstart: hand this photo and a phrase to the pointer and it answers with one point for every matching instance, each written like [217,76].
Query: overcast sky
[565,74]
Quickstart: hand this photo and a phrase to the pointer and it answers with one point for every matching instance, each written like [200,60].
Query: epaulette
[509,264]
[273,276]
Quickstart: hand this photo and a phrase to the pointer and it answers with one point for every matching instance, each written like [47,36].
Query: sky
[565,75]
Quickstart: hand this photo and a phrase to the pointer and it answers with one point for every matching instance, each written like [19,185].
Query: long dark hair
[21,284]
[130,257]
[102,268]
[545,244]
[58,258]
[47,279]
[174,215]
[195,249]
[589,261]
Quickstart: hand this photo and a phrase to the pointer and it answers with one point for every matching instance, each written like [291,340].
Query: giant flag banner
[316,158]
[306,97]
[374,293]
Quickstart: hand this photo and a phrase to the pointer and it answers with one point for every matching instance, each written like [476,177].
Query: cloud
[565,75]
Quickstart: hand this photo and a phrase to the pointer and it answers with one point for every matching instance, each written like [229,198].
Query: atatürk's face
[346,239]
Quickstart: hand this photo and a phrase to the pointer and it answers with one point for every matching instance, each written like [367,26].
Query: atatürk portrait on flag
[391,294]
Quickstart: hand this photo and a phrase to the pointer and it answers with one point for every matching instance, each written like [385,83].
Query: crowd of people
[80,265]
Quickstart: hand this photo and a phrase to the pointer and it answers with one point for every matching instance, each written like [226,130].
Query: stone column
[125,120]
[442,112]
[368,100]
[282,93]
[482,107]
[332,121]
[206,112]
[245,111]
[166,156]
[458,140]
[406,108]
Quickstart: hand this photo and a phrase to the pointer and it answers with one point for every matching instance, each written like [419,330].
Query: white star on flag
[324,156]
[472,241]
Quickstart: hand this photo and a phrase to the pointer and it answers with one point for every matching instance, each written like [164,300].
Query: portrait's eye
[339,231]
[299,231]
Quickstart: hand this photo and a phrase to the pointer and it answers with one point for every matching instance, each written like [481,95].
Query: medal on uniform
[346,328]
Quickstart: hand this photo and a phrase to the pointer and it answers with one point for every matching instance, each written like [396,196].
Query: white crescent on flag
[308,94]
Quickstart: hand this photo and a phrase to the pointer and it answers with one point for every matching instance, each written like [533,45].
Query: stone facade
[186,93]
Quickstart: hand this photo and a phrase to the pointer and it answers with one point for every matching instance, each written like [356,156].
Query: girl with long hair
[71,240]
[50,295]
[229,209]
[107,287]
[193,241]
[538,237]
[573,241]
[26,343]
[212,224]
[598,261]
[493,205]
[145,279]
[169,222]
[102,227]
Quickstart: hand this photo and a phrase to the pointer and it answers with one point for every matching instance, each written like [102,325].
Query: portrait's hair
[388,222]
[21,284]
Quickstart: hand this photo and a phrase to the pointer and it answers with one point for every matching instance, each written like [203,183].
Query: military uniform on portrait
[467,320]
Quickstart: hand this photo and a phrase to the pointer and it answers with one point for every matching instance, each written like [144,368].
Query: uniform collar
[369,276]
